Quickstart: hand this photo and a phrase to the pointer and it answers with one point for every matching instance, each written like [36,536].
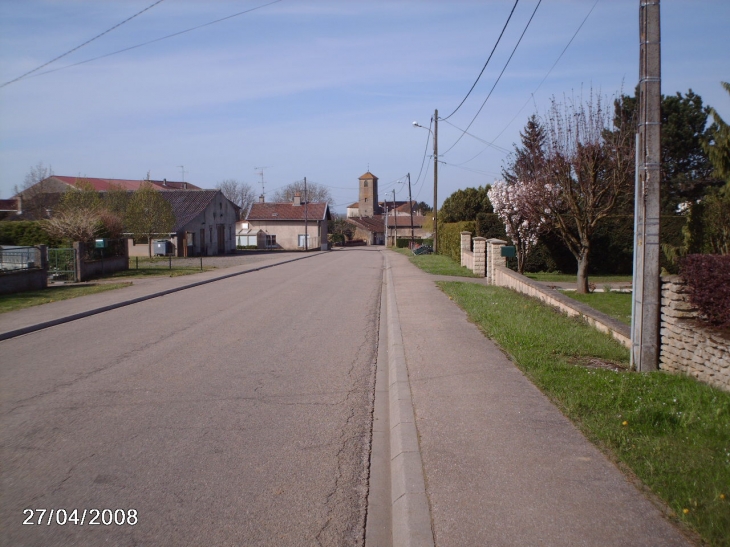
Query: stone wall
[688,345]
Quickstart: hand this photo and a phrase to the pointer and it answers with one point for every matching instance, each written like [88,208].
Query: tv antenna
[182,170]
[260,171]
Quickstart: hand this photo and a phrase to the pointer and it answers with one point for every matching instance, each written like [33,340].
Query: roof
[104,185]
[368,175]
[371,224]
[355,205]
[288,211]
[405,221]
[187,204]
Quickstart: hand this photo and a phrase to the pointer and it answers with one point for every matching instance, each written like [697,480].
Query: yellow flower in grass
[685,511]
[624,423]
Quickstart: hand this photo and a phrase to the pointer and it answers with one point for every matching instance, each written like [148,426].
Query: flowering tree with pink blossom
[523,222]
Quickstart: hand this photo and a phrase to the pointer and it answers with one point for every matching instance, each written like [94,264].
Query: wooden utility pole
[395,222]
[410,206]
[435,177]
[306,232]
[646,278]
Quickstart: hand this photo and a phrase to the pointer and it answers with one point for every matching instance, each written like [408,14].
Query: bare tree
[587,168]
[240,193]
[37,194]
[316,193]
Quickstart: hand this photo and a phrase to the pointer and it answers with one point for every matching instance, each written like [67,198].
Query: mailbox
[100,243]
[508,252]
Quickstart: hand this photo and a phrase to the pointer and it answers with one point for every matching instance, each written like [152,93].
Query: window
[365,184]
[302,240]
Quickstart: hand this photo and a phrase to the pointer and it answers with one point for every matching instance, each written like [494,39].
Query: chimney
[19,203]
[261,198]
[164,182]
[185,185]
[297,199]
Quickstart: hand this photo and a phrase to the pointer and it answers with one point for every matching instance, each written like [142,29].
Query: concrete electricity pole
[410,207]
[306,232]
[646,278]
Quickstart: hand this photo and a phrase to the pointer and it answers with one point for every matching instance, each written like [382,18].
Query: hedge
[449,237]
[708,283]
[25,233]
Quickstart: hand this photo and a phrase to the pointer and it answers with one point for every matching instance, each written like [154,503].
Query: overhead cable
[498,78]
[162,38]
[82,45]
[485,64]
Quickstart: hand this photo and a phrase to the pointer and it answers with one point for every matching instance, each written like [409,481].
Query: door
[221,238]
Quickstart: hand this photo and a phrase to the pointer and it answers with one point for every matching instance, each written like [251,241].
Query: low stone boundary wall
[687,345]
[504,277]
[89,269]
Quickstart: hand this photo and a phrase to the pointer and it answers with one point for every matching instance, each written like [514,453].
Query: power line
[425,152]
[162,38]
[485,64]
[549,71]
[82,45]
[489,144]
[498,78]
[532,95]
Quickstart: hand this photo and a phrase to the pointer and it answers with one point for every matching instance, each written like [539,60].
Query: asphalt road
[235,413]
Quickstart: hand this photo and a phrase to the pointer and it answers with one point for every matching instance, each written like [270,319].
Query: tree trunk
[582,281]
[149,246]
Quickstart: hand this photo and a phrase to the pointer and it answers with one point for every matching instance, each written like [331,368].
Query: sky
[320,89]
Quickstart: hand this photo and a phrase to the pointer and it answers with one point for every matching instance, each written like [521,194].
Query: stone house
[291,226]
[205,222]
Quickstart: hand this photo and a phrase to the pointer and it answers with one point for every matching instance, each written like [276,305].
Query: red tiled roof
[288,211]
[355,205]
[104,185]
[371,224]
[368,175]
[405,220]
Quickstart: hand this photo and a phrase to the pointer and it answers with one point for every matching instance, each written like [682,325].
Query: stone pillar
[494,257]
[465,245]
[480,256]
[80,249]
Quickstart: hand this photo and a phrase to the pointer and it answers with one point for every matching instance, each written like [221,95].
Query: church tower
[369,195]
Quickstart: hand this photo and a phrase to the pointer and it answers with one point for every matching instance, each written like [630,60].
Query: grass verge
[670,430]
[615,304]
[436,264]
[157,271]
[18,301]
[570,278]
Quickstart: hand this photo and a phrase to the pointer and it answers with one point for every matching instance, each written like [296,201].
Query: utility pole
[395,223]
[646,278]
[306,232]
[435,178]
[410,206]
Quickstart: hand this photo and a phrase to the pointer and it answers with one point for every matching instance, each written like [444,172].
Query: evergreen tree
[525,163]
[465,204]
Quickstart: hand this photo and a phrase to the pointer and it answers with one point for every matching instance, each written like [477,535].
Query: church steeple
[369,195]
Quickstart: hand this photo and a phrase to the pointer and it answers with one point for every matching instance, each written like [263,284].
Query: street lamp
[435,133]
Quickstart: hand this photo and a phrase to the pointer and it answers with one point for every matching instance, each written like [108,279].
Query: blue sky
[318,88]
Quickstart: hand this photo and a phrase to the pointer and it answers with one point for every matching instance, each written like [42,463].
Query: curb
[411,515]
[67,319]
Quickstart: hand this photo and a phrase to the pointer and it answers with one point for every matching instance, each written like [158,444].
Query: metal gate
[62,265]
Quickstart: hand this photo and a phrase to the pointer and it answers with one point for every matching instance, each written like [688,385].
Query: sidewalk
[502,465]
[34,318]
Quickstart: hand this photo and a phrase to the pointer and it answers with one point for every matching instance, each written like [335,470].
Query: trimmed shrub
[449,234]
[708,283]
[490,226]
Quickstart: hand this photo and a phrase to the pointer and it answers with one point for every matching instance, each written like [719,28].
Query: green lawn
[571,278]
[157,271]
[615,304]
[436,264]
[670,430]
[18,301]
